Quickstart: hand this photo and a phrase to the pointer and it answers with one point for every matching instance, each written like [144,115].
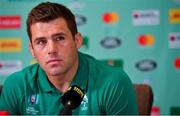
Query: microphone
[71,99]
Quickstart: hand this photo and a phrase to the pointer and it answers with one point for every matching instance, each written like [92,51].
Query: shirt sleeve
[119,96]
[9,97]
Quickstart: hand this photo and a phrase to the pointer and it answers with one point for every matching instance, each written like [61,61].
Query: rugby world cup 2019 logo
[33,99]
[32,107]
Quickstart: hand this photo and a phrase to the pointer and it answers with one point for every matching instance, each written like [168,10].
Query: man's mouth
[53,61]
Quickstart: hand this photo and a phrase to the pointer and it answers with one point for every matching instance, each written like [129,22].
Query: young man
[54,42]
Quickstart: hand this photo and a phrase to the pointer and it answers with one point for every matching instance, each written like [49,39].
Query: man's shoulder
[102,71]
[22,75]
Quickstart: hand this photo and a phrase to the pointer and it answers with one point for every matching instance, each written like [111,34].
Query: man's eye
[41,42]
[60,38]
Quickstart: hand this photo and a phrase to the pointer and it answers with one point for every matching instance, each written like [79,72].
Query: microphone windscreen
[74,95]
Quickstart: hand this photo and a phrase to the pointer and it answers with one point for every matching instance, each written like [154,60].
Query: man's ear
[31,49]
[78,40]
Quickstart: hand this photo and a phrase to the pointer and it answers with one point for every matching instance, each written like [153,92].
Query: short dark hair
[47,11]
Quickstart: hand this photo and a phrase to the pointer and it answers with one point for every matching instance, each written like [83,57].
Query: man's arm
[120,96]
[9,96]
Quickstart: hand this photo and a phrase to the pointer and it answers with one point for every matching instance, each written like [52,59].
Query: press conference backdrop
[141,36]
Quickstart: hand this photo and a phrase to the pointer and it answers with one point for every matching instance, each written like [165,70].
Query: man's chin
[55,73]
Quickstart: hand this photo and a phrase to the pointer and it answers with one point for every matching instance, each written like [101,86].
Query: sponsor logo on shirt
[10,22]
[174,40]
[110,42]
[110,17]
[146,40]
[80,19]
[174,16]
[84,103]
[146,65]
[146,17]
[9,66]
[10,45]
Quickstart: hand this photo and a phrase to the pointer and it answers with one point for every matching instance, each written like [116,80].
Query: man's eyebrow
[39,38]
[59,34]
[54,35]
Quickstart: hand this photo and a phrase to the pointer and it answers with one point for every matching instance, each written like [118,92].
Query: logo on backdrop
[10,22]
[85,44]
[110,42]
[146,65]
[80,20]
[155,111]
[114,62]
[175,110]
[76,5]
[110,17]
[174,16]
[10,45]
[177,63]
[146,40]
[9,66]
[177,1]
[174,40]
[145,17]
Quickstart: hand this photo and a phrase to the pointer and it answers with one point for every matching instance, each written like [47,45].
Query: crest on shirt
[84,103]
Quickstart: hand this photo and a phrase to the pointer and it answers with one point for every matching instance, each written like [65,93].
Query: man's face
[54,47]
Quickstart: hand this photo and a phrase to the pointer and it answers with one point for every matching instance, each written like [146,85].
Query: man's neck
[63,81]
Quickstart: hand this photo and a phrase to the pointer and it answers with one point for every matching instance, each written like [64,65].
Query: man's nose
[51,47]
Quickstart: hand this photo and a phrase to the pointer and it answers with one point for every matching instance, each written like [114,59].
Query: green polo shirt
[108,91]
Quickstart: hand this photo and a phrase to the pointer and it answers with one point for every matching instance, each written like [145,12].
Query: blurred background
[142,37]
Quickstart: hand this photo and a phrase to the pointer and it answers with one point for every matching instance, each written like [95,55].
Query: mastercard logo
[146,40]
[177,63]
[10,45]
[110,17]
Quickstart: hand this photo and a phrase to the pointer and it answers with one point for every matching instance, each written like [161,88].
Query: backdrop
[142,37]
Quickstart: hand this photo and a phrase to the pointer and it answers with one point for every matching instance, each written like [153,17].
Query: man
[54,42]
